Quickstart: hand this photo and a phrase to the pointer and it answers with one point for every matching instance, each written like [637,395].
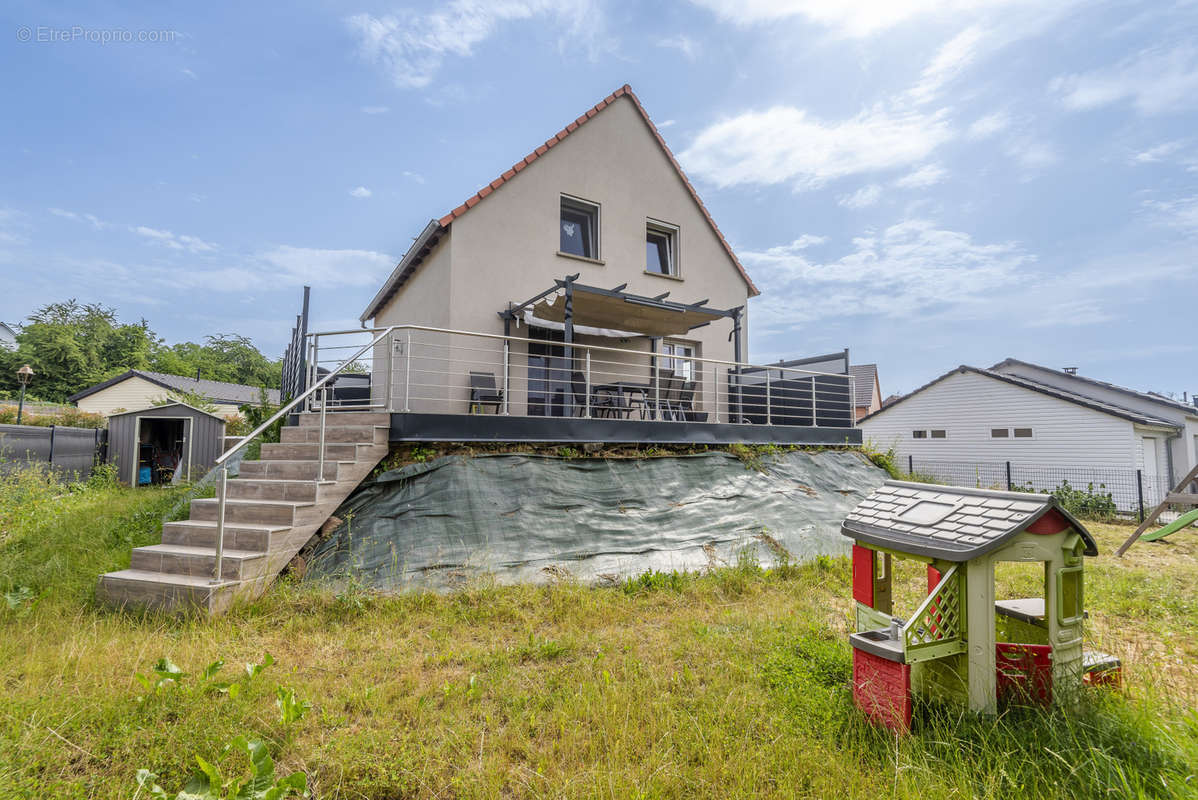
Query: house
[983,419]
[867,392]
[586,281]
[8,336]
[1177,453]
[139,389]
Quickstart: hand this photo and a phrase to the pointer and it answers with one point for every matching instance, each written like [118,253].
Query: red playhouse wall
[863,575]
[882,690]
[1024,673]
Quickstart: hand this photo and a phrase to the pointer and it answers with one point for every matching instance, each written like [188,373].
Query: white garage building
[1048,425]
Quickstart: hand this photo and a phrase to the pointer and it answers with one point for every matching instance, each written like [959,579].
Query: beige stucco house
[138,389]
[604,202]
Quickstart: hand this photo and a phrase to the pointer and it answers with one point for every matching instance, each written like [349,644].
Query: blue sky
[928,183]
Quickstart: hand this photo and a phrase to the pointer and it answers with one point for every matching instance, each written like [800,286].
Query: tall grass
[730,683]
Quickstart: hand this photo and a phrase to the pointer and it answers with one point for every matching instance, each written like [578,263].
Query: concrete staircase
[271,511]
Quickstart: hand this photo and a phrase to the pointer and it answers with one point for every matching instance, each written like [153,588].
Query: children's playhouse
[961,642]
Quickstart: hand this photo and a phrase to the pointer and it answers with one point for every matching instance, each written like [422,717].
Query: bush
[1089,503]
[67,417]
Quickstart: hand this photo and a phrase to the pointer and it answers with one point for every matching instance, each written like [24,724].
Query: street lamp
[23,376]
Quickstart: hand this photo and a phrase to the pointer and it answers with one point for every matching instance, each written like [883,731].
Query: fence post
[1010,485]
[910,465]
[50,457]
[1140,492]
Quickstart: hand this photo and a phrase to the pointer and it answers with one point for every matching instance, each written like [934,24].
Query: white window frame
[671,232]
[581,206]
[920,434]
[1011,432]
[670,357]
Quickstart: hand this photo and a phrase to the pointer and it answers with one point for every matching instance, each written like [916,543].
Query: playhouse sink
[880,643]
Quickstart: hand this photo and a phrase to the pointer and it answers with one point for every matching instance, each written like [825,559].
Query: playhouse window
[999,433]
[1069,596]
[939,434]
[919,434]
[1023,433]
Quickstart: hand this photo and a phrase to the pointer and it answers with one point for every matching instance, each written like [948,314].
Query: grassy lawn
[725,684]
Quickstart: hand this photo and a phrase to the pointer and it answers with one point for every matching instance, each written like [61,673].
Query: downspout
[736,356]
[568,347]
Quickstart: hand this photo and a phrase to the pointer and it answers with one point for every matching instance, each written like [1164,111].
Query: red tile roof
[623,91]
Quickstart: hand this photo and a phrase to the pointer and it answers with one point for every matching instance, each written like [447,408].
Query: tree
[72,346]
[224,357]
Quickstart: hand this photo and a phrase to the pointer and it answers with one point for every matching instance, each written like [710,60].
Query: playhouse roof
[951,522]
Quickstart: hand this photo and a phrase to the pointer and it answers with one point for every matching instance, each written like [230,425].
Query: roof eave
[425,241]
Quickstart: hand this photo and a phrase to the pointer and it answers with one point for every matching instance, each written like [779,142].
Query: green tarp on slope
[529,518]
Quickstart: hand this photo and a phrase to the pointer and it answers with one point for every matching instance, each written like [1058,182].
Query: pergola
[571,303]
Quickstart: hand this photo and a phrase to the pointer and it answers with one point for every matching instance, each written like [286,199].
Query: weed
[291,710]
[653,581]
[568,452]
[208,784]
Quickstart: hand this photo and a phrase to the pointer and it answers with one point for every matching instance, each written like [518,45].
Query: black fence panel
[72,452]
[1103,490]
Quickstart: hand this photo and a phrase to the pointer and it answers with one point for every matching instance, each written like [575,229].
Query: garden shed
[164,444]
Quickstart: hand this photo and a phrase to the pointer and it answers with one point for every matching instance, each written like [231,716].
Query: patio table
[628,388]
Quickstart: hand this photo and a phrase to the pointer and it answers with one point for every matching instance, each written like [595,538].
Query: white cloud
[667,123]
[375,109]
[925,176]
[909,268]
[360,191]
[859,18]
[1031,153]
[862,198]
[1181,214]
[783,144]
[1155,154]
[415,176]
[990,124]
[191,244]
[683,44]
[952,59]
[411,47]
[190,74]
[91,219]
[326,268]
[1155,81]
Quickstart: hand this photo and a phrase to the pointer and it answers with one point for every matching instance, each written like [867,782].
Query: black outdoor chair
[671,399]
[604,403]
[483,392]
[686,404]
[655,399]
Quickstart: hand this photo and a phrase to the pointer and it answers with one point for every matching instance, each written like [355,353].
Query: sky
[926,182]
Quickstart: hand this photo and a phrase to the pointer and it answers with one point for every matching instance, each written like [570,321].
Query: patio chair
[603,403]
[483,392]
[686,404]
[671,399]
[655,399]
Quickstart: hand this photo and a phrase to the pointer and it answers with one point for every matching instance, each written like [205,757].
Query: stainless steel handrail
[245,440]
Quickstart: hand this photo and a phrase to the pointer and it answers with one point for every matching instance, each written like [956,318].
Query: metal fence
[1090,491]
[71,452]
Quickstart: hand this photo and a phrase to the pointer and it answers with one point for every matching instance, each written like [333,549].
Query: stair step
[293,469]
[185,560]
[347,418]
[368,434]
[267,489]
[238,536]
[137,588]
[310,451]
[277,512]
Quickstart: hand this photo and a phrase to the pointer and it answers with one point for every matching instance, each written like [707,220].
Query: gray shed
[164,443]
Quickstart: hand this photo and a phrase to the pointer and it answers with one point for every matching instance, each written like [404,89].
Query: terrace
[575,363]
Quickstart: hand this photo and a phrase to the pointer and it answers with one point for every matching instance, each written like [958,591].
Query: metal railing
[422,369]
[221,462]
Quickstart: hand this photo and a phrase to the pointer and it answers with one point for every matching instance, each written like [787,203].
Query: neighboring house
[8,336]
[867,392]
[138,389]
[597,248]
[1178,451]
[978,416]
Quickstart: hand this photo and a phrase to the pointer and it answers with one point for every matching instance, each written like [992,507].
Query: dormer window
[579,228]
[661,248]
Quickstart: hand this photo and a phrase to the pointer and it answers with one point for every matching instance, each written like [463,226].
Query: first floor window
[661,248]
[999,433]
[939,434]
[919,434]
[1023,433]
[579,228]
[677,357]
